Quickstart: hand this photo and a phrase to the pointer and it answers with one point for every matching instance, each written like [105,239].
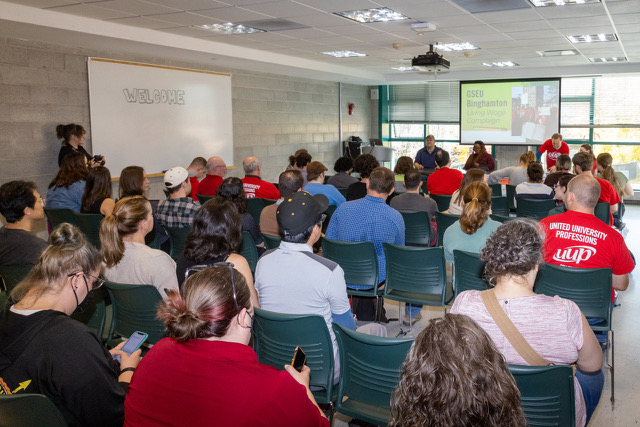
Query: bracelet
[127,370]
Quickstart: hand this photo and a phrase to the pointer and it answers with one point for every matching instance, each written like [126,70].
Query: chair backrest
[254,208]
[590,288]
[13,274]
[468,272]
[499,205]
[500,218]
[415,270]
[534,208]
[58,216]
[134,309]
[203,199]
[496,189]
[249,250]
[343,191]
[547,394]
[511,196]
[29,410]
[603,212]
[444,221]
[276,336]
[417,228]
[370,369]
[329,213]
[442,200]
[177,240]
[95,313]
[89,224]
[357,259]
[270,241]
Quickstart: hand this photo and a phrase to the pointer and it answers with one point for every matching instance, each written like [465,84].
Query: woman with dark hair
[67,188]
[216,234]
[474,227]
[619,181]
[302,159]
[292,158]
[45,351]
[455,376]
[403,165]
[97,192]
[133,182]
[586,148]
[560,190]
[232,189]
[205,373]
[515,174]
[480,158]
[364,164]
[72,136]
[343,179]
[126,256]
[534,188]
[554,327]
[457,203]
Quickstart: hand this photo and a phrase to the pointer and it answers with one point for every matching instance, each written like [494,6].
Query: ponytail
[124,221]
[605,160]
[477,202]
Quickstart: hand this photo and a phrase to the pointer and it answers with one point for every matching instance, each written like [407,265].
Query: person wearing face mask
[553,147]
[45,351]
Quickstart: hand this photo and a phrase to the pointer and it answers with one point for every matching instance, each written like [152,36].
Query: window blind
[433,102]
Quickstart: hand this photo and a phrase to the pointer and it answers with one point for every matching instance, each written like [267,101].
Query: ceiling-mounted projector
[430,61]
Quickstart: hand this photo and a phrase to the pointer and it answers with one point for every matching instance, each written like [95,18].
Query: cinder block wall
[43,85]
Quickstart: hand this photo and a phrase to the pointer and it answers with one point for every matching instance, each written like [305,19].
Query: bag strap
[510,331]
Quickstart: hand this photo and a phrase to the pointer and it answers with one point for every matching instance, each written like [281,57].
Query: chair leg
[332,411]
[402,332]
[611,370]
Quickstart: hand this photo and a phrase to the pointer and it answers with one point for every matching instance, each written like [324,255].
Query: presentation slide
[516,112]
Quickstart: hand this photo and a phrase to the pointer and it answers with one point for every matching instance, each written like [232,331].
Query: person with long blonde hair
[515,174]
[474,227]
[126,256]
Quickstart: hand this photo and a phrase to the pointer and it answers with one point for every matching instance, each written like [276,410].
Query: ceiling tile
[143,22]
[321,20]
[585,22]
[623,7]
[90,11]
[187,5]
[233,14]
[576,11]
[42,3]
[284,9]
[186,18]
[135,7]
[340,5]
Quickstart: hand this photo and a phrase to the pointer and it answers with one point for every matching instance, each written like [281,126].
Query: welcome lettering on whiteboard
[155,96]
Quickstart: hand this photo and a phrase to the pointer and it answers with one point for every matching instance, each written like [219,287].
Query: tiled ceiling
[167,27]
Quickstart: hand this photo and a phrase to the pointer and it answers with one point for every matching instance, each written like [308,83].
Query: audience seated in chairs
[254,185]
[289,182]
[343,178]
[457,201]
[403,165]
[205,373]
[44,351]
[315,184]
[411,200]
[97,193]
[197,171]
[455,376]
[534,188]
[514,174]
[364,164]
[444,180]
[560,191]
[177,211]
[67,188]
[563,167]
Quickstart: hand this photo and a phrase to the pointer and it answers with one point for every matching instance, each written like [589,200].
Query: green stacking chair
[547,394]
[58,216]
[134,309]
[95,313]
[511,196]
[444,221]
[536,209]
[4,298]
[603,212]
[591,290]
[442,200]
[255,206]
[500,218]
[276,336]
[177,240]
[29,410]
[417,228]
[416,276]
[370,369]
[249,250]
[329,213]
[496,189]
[203,199]
[468,272]
[89,224]
[13,274]
[270,241]
[499,205]
[343,191]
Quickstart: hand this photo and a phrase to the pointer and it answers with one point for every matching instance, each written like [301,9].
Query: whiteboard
[158,117]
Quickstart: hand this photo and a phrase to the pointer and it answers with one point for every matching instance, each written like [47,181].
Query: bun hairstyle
[125,220]
[292,158]
[605,160]
[477,202]
[232,189]
[64,132]
[205,306]
[68,252]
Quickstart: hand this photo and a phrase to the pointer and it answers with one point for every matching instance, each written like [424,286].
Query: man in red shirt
[197,171]
[554,147]
[582,164]
[254,186]
[577,238]
[216,170]
[444,180]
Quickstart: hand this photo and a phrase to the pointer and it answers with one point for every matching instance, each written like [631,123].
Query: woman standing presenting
[72,136]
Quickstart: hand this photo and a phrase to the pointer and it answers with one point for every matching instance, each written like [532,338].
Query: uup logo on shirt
[574,254]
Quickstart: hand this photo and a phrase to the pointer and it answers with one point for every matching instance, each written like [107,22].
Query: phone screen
[134,342]
[299,359]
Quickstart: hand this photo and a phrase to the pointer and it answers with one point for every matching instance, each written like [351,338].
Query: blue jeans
[591,384]
[412,310]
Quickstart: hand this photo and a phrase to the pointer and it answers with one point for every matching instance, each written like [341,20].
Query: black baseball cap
[300,211]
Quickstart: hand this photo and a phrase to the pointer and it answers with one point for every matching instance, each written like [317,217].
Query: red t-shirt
[194,187]
[209,185]
[608,194]
[575,239]
[254,187]
[552,153]
[214,383]
[444,181]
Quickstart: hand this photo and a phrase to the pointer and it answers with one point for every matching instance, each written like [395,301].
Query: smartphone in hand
[299,359]
[133,343]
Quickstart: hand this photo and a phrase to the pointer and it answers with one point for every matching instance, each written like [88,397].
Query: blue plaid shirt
[368,219]
[177,213]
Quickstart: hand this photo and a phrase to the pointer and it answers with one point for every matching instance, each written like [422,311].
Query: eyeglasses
[97,281]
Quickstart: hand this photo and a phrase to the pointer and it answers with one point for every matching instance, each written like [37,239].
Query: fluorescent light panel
[230,28]
[611,59]
[450,47]
[500,64]
[592,38]
[344,53]
[544,3]
[561,52]
[404,68]
[381,14]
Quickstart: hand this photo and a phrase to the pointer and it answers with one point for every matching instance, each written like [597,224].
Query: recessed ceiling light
[449,47]
[381,14]
[591,38]
[500,64]
[344,53]
[230,28]
[561,52]
[543,3]
[611,59]
[403,68]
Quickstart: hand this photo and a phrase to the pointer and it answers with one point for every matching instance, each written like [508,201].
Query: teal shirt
[455,238]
